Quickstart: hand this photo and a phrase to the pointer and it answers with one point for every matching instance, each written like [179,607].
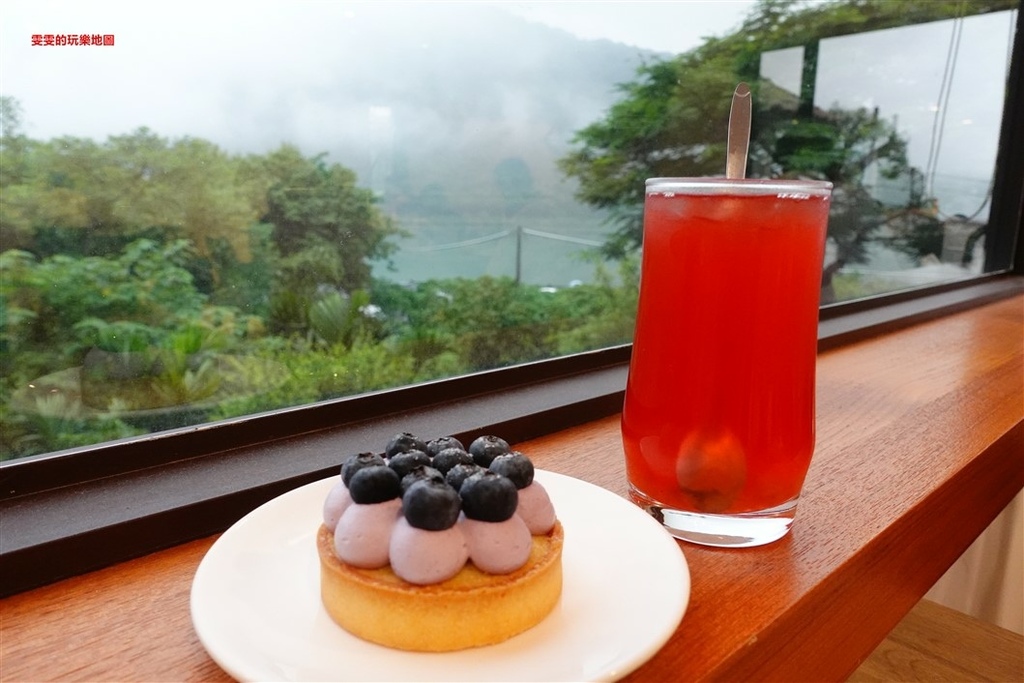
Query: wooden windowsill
[920,445]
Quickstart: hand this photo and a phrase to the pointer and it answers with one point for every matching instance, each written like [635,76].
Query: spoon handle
[739,133]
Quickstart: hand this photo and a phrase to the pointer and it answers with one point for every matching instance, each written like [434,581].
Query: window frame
[73,511]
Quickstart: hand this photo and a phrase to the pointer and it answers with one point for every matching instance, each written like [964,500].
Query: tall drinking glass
[718,420]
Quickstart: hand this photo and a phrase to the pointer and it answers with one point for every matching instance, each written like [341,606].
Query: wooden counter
[920,445]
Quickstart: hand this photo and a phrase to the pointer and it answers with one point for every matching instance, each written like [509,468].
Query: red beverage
[719,409]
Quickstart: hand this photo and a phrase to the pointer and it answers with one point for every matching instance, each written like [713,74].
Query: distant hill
[455,116]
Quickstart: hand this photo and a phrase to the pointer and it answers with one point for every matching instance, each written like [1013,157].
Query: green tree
[663,125]
[325,228]
[76,196]
[13,142]
[312,203]
[15,200]
[134,323]
[147,285]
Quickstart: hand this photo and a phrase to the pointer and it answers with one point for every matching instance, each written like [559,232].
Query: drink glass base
[744,530]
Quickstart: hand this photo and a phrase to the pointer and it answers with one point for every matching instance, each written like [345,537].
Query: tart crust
[470,609]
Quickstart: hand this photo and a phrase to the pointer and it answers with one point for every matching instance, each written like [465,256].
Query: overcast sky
[173,51]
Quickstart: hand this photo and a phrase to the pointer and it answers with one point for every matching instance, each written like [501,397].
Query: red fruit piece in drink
[712,468]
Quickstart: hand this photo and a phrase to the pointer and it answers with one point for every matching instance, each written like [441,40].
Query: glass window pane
[938,89]
[210,211]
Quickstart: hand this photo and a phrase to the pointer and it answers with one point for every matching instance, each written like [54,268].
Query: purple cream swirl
[425,557]
[363,535]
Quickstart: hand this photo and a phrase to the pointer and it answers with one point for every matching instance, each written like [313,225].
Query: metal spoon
[739,133]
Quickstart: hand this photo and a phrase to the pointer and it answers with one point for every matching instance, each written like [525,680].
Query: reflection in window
[933,93]
[325,199]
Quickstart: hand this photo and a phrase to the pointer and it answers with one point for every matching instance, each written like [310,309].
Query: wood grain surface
[920,445]
[936,643]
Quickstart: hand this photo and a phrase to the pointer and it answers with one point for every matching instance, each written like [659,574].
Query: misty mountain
[454,115]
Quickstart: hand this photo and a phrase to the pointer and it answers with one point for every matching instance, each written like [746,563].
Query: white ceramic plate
[256,600]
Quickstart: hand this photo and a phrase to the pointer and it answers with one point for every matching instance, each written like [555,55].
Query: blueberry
[354,463]
[460,473]
[405,462]
[400,443]
[487,448]
[439,444]
[449,458]
[419,473]
[374,485]
[489,497]
[516,467]
[432,505]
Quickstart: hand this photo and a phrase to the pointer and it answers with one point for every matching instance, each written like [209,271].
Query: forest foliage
[150,283]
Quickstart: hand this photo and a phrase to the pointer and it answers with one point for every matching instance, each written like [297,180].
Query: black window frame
[74,511]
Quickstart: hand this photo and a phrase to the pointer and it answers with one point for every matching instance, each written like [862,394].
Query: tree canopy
[96,197]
